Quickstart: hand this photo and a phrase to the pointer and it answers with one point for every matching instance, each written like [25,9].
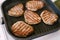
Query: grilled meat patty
[16,11]
[48,17]
[31,17]
[21,29]
[34,5]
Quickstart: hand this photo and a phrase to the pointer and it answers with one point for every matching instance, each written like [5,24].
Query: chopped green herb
[57,2]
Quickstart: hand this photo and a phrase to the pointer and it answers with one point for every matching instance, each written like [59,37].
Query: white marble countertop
[5,36]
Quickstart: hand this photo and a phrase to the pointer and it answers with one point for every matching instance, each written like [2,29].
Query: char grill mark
[16,11]
[48,17]
[22,29]
[31,17]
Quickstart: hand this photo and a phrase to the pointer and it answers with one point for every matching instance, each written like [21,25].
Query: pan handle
[2,21]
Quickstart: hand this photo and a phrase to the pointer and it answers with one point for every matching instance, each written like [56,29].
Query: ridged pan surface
[39,29]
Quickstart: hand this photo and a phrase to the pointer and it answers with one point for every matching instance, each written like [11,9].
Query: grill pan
[39,29]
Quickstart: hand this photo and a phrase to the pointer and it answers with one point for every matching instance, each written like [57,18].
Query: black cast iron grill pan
[39,29]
